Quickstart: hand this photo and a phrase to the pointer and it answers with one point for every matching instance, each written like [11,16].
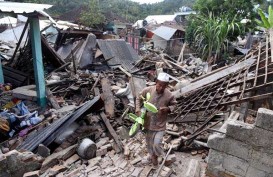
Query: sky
[147,1]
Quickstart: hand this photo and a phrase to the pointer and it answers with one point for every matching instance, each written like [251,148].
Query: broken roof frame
[206,99]
[32,11]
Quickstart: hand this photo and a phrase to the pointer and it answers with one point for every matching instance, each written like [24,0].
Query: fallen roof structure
[245,82]
[121,53]
[49,133]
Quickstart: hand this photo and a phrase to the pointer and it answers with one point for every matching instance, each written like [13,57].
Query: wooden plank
[108,97]
[125,72]
[112,132]
[96,91]
[51,99]
[213,78]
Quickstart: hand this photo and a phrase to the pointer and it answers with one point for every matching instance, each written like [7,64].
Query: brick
[264,119]
[32,174]
[193,169]
[235,165]
[126,151]
[110,170]
[57,169]
[74,173]
[117,173]
[93,162]
[108,147]
[262,161]
[101,152]
[123,164]
[146,171]
[71,160]
[215,161]
[253,172]
[106,162]
[230,146]
[102,142]
[249,134]
[136,160]
[54,158]
[166,172]
[136,172]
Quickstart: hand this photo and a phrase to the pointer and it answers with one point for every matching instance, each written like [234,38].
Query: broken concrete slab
[264,119]
[193,169]
[25,93]
[16,164]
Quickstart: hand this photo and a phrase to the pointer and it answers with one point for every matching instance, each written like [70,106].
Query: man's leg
[157,145]
[149,141]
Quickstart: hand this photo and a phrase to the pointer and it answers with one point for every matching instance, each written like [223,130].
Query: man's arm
[139,100]
[172,104]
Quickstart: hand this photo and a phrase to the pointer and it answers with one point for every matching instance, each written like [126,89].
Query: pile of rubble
[92,82]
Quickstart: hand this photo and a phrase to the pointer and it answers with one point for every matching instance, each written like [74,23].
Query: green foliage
[242,9]
[190,30]
[124,9]
[92,16]
[267,23]
[210,33]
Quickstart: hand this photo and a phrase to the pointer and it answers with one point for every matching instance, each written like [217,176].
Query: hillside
[122,9]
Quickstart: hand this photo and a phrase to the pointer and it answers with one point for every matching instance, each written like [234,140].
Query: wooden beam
[51,99]
[213,78]
[108,97]
[112,132]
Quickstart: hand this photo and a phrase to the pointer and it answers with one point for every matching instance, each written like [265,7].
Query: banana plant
[139,120]
[267,23]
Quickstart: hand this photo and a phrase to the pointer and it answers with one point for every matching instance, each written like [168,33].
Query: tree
[93,15]
[267,23]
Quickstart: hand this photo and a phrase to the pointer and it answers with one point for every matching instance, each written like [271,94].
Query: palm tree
[267,23]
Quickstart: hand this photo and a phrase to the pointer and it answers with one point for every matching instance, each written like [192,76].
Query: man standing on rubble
[155,124]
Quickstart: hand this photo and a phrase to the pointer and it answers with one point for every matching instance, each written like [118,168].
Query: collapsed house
[91,83]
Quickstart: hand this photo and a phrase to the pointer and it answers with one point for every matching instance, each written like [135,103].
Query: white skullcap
[164,77]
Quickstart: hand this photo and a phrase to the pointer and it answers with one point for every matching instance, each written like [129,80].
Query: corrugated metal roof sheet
[22,8]
[123,54]
[164,32]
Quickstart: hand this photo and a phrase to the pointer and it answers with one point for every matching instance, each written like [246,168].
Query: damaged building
[67,91]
